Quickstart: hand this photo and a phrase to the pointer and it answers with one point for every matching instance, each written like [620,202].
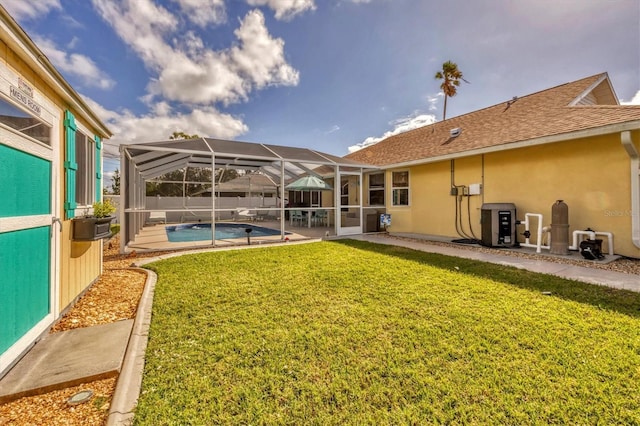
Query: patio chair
[245,214]
[321,217]
[157,217]
[296,216]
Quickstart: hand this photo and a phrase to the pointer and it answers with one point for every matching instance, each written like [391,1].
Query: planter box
[91,228]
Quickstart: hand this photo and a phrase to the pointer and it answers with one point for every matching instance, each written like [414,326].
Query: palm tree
[450,76]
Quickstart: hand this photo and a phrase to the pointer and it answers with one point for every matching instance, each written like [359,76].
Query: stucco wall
[592,175]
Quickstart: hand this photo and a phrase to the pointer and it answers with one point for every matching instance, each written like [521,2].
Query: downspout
[627,142]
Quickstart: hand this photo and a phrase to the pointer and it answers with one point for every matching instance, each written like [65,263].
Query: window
[400,184]
[86,172]
[19,120]
[376,189]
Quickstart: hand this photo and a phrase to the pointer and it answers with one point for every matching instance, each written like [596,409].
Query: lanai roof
[157,158]
[588,106]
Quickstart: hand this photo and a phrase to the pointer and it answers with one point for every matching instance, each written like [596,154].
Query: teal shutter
[70,165]
[98,169]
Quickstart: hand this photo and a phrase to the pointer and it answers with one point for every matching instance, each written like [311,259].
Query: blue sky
[324,74]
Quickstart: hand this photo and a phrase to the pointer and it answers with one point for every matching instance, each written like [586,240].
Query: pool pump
[498,223]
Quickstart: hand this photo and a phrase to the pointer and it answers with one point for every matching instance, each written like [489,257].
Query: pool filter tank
[498,223]
[559,228]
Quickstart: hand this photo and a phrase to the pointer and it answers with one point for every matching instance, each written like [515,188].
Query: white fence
[225,206]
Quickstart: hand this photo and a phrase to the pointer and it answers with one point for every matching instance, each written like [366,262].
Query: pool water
[202,231]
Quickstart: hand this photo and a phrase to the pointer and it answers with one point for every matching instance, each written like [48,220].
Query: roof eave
[562,137]
[38,60]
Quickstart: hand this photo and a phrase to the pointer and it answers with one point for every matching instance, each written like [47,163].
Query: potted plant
[94,226]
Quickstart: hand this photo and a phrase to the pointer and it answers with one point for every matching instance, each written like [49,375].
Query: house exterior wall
[592,175]
[80,262]
[80,267]
[72,266]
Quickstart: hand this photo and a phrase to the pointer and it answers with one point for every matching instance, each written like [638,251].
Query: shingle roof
[542,114]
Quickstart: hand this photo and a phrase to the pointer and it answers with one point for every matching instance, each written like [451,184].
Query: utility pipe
[592,236]
[538,246]
[576,245]
[634,157]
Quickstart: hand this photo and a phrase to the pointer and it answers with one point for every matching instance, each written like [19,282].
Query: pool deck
[154,237]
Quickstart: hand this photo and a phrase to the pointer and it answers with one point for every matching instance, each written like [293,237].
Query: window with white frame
[86,172]
[376,189]
[400,186]
[17,119]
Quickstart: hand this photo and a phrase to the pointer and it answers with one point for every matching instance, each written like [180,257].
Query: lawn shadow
[622,301]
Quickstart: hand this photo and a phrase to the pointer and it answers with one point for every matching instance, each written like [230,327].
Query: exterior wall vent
[455,132]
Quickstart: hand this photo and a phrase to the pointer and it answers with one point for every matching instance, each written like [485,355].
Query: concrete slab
[68,358]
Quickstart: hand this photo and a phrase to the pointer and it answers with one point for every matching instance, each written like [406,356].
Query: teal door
[25,247]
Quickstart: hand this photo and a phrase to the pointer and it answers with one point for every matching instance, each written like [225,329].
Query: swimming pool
[202,231]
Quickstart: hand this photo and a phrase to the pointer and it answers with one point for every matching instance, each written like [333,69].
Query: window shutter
[70,165]
[98,169]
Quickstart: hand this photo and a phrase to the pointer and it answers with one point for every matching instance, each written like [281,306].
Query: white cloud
[73,43]
[75,64]
[285,9]
[260,57]
[189,72]
[399,126]
[162,121]
[333,129]
[203,12]
[634,101]
[432,100]
[23,9]
[141,24]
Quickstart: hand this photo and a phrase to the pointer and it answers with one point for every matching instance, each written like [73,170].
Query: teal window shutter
[98,169]
[70,165]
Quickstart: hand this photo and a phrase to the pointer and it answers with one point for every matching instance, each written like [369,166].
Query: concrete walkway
[541,264]
[68,358]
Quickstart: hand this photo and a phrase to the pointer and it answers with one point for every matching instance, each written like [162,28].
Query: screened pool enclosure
[258,191]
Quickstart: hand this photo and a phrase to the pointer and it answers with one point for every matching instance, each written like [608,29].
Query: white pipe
[575,245]
[609,236]
[627,142]
[538,246]
[592,236]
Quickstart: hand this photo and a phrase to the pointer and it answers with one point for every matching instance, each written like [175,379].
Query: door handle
[53,221]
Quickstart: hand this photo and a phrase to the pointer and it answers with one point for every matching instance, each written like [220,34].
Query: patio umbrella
[309,183]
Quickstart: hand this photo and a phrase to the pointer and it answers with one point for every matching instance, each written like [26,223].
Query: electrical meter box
[498,223]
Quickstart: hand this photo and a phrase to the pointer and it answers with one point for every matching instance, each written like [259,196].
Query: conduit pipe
[628,145]
[592,236]
[538,246]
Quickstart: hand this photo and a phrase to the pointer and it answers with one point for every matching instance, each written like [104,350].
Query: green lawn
[352,333]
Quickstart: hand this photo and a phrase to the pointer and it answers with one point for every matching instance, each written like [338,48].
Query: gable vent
[455,132]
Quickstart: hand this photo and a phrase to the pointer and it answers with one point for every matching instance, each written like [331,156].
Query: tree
[182,135]
[115,185]
[450,76]
[170,184]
